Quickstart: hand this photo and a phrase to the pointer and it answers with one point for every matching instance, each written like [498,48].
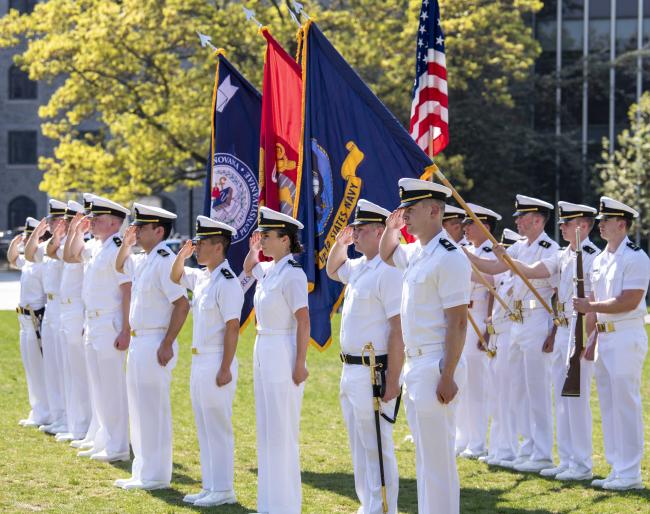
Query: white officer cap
[88,200]
[73,208]
[144,214]
[452,212]
[568,210]
[610,208]
[509,237]
[207,227]
[368,212]
[101,205]
[268,219]
[412,190]
[30,225]
[57,208]
[525,204]
[482,213]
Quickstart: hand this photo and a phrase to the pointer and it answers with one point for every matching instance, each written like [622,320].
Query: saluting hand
[40,228]
[84,225]
[186,250]
[396,220]
[130,237]
[345,236]
[255,242]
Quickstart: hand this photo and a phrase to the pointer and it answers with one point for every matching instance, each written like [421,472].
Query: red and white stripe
[429,109]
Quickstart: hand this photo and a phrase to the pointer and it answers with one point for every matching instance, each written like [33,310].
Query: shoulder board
[544,244]
[634,247]
[226,273]
[589,249]
[295,264]
[449,246]
[487,249]
[117,241]
[163,252]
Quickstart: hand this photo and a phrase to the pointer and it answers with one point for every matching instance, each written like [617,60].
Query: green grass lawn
[39,474]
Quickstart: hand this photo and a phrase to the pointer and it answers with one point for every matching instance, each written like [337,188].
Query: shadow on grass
[472,500]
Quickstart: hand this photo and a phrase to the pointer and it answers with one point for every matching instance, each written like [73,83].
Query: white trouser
[150,410]
[504,441]
[277,407]
[107,367]
[53,362]
[76,379]
[618,377]
[433,426]
[529,337]
[90,357]
[572,414]
[212,407]
[33,364]
[491,401]
[359,415]
[472,410]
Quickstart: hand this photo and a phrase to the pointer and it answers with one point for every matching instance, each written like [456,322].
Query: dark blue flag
[231,187]
[353,147]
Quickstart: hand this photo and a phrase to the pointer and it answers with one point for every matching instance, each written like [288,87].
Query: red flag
[281,128]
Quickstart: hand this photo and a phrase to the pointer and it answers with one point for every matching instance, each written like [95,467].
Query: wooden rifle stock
[572,382]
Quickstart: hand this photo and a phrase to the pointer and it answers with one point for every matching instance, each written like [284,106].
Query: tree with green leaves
[625,174]
[134,69]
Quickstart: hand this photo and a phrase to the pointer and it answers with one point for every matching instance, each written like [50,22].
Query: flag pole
[506,258]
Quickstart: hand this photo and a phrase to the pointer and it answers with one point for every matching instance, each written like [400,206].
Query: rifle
[572,382]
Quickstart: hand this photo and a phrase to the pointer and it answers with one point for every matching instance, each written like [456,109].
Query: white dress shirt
[101,286]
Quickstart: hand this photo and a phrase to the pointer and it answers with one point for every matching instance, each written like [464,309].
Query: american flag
[429,114]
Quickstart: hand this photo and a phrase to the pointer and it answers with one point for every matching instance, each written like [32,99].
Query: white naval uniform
[472,415]
[621,353]
[103,302]
[372,296]
[573,414]
[147,382]
[503,382]
[527,339]
[32,296]
[436,277]
[53,354]
[281,291]
[77,393]
[218,298]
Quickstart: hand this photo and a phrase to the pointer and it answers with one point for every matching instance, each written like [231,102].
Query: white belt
[614,326]
[529,304]
[201,351]
[96,313]
[275,331]
[70,300]
[424,349]
[143,331]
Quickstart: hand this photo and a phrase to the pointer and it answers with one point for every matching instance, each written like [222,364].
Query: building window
[20,86]
[22,147]
[22,6]
[19,209]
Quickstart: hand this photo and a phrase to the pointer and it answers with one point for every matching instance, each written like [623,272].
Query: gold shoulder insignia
[449,246]
[634,247]
[295,264]
[487,249]
[163,252]
[117,241]
[226,273]
[589,249]
[544,244]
